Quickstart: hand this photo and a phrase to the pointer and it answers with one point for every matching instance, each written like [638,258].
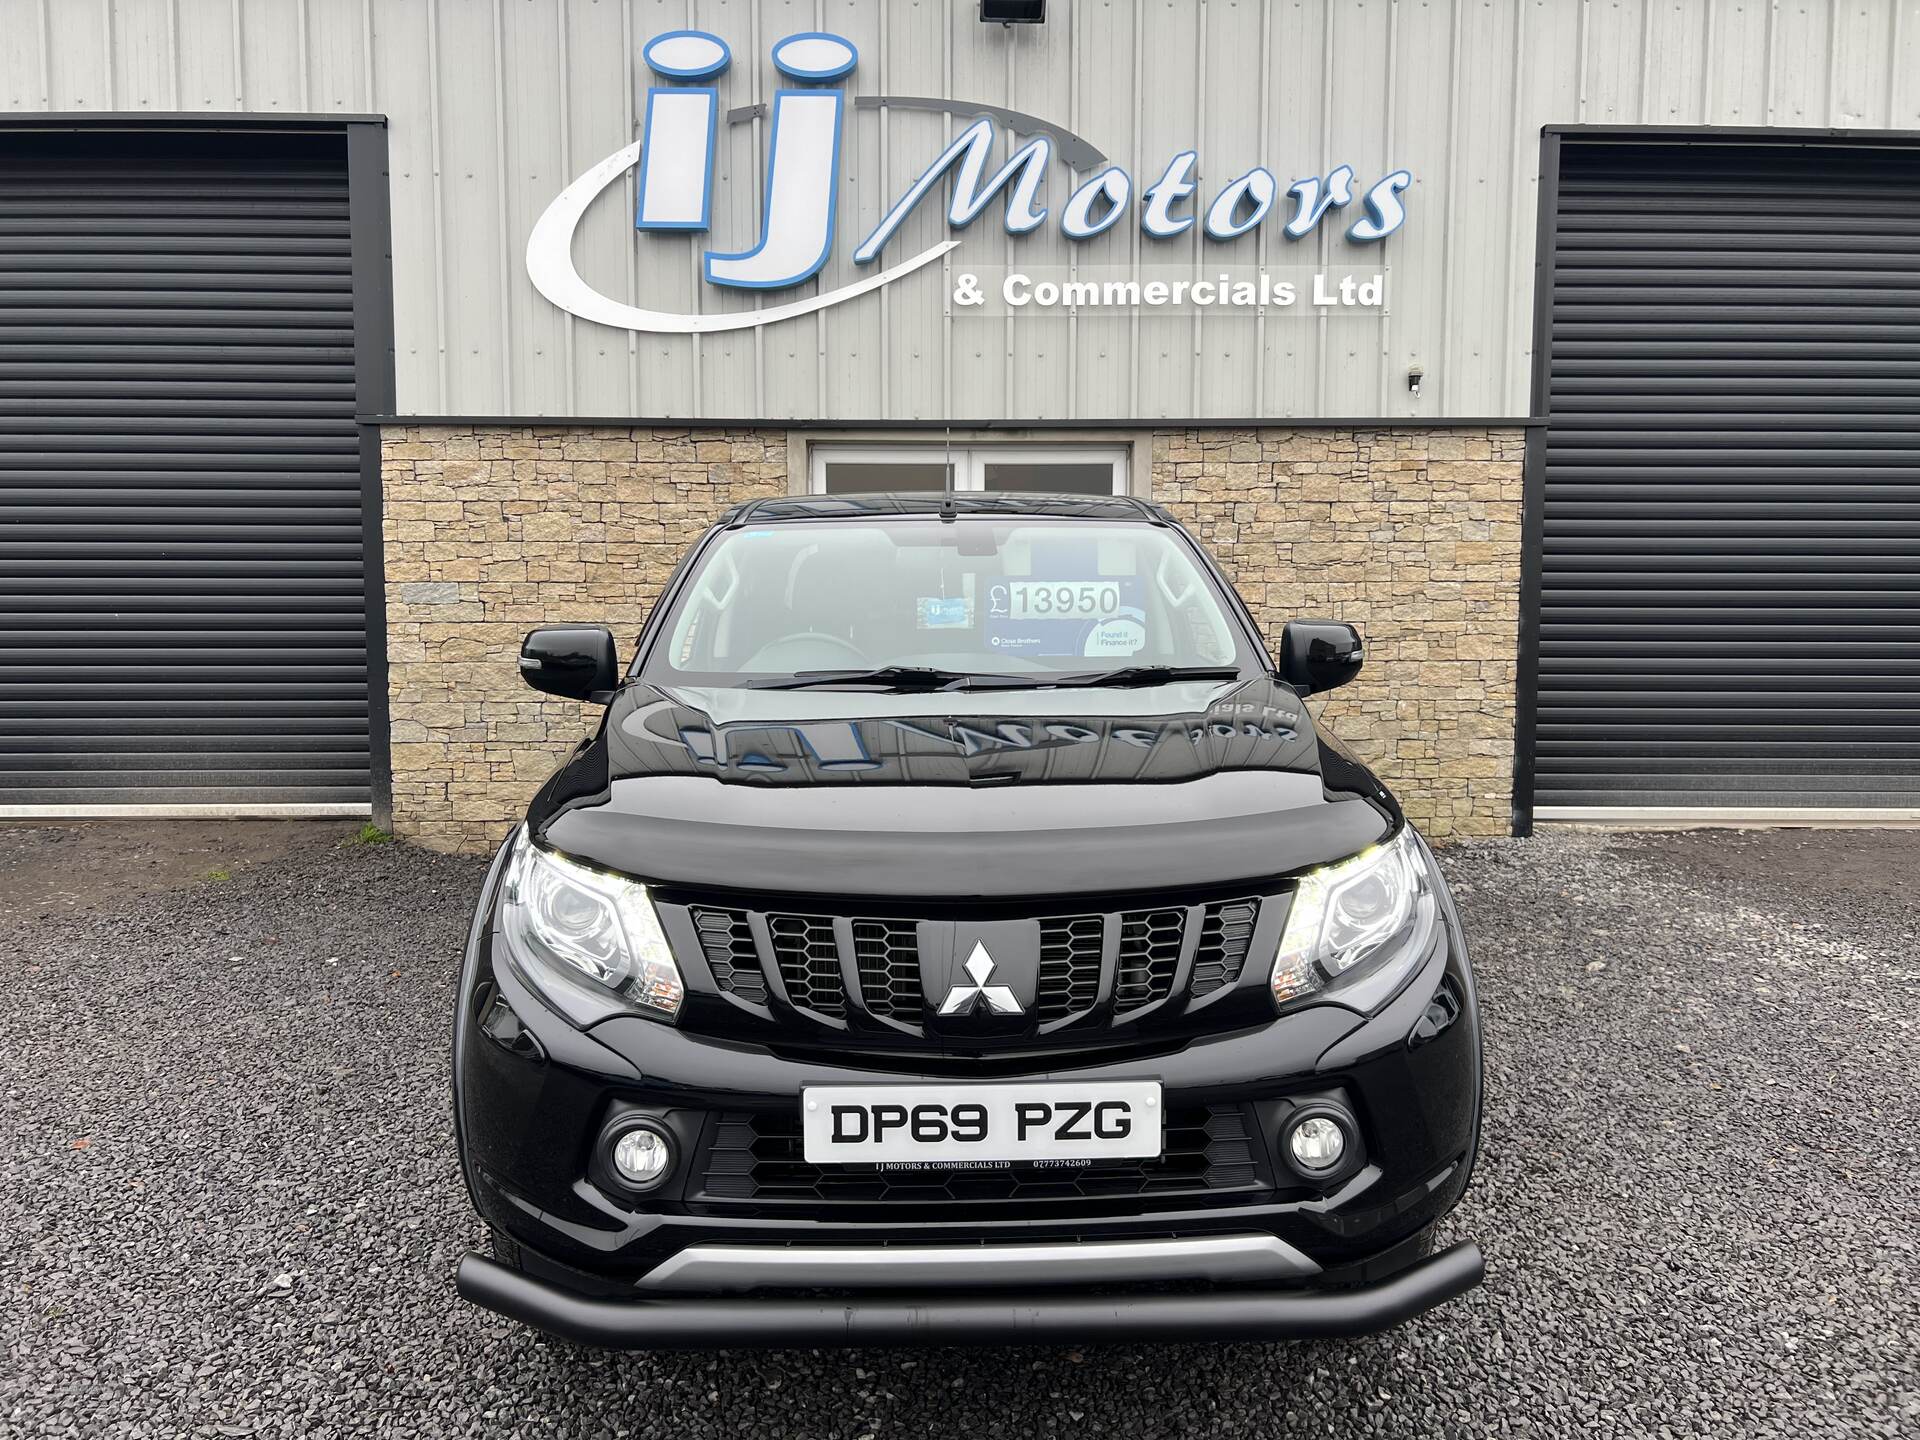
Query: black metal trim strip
[1534,489]
[1722,134]
[370,236]
[219,122]
[683,422]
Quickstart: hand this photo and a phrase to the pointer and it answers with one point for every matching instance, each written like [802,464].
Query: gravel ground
[229,1203]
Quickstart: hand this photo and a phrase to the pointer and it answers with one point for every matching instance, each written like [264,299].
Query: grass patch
[221,874]
[369,834]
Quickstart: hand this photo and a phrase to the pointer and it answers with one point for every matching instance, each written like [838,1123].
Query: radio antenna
[947,510]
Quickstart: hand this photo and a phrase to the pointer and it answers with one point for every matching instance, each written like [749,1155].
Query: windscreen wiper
[1148,675]
[897,677]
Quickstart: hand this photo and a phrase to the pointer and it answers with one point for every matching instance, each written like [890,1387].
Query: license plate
[955,1124]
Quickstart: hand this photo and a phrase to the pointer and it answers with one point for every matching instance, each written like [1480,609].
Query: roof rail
[946,506]
[738,516]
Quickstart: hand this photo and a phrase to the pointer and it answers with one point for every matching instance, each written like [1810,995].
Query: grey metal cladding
[494,107]
[182,581]
[1730,566]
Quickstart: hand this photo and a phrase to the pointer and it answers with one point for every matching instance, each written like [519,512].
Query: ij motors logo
[674,188]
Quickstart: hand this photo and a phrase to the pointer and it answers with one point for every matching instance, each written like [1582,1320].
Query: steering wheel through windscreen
[802,651]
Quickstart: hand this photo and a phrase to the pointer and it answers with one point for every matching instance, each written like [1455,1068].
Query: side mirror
[577,661]
[1317,655]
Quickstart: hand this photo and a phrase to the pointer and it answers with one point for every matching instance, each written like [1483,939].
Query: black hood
[988,795]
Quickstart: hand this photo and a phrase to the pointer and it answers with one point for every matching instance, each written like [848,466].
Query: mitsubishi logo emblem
[965,999]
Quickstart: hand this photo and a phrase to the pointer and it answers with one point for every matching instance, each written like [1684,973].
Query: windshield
[1022,598]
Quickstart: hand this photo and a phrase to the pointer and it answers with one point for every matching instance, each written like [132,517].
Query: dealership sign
[674,192]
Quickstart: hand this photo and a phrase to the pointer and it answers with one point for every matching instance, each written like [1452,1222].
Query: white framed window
[1069,469]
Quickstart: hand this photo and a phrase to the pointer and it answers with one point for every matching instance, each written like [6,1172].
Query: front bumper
[531,1098]
[947,1319]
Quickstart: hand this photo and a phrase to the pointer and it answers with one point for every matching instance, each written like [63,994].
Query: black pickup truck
[956,929]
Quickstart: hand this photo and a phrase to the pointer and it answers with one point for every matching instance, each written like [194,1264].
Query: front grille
[1149,955]
[888,954]
[878,978]
[1069,979]
[727,941]
[757,1157]
[809,958]
[1225,934]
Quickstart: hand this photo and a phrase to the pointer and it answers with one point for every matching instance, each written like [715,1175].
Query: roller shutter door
[182,578]
[1729,610]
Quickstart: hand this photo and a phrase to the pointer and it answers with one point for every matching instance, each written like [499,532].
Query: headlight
[575,928]
[1358,928]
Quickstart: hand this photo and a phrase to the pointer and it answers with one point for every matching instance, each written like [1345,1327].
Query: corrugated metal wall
[495,104]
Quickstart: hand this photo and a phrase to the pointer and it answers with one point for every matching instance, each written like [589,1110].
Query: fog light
[1317,1143]
[641,1156]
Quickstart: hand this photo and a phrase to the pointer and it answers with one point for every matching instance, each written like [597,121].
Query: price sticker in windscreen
[1064,599]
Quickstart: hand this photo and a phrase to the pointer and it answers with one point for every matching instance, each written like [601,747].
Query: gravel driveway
[229,1203]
